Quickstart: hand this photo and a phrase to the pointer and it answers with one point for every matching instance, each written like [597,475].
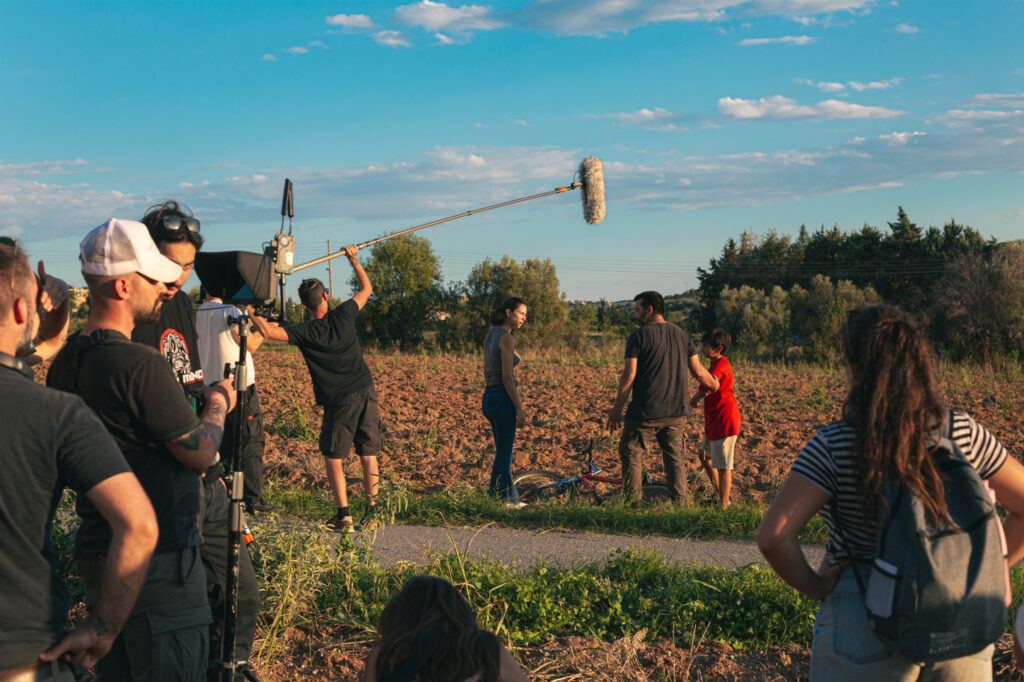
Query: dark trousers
[165,638]
[637,436]
[215,561]
[253,441]
[501,413]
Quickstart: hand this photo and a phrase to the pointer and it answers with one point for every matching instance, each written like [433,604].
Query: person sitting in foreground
[428,632]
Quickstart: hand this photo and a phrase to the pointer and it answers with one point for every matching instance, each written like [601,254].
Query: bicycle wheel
[544,486]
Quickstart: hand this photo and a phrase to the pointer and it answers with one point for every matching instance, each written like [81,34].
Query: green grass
[469,507]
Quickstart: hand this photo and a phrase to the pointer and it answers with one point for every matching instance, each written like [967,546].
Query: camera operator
[175,231]
[217,325]
[342,383]
[52,440]
[135,394]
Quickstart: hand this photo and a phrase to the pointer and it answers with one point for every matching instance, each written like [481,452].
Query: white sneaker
[515,505]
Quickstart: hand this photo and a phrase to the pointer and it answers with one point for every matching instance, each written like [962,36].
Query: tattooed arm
[197,449]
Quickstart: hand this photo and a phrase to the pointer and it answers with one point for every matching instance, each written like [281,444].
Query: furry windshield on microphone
[592,192]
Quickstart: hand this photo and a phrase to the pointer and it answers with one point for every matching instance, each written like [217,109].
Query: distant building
[78,296]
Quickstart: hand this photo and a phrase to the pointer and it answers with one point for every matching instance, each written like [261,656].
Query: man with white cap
[135,394]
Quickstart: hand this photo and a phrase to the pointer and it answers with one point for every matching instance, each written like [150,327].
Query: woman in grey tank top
[501,403]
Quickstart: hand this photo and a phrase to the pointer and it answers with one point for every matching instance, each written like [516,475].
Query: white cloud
[784,108]
[356,21]
[875,85]
[996,100]
[297,50]
[442,39]
[792,40]
[519,122]
[900,138]
[651,119]
[596,17]
[973,118]
[317,43]
[908,29]
[268,58]
[391,39]
[824,86]
[437,16]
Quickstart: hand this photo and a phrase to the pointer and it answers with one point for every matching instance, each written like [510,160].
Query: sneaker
[369,519]
[515,505]
[262,506]
[340,524]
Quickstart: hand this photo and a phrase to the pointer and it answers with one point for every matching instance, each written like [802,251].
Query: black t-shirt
[51,441]
[174,335]
[662,352]
[136,396]
[332,353]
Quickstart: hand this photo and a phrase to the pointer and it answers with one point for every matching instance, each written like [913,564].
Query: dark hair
[14,278]
[717,337]
[500,315]
[160,234]
[653,300]
[894,405]
[311,292]
[429,631]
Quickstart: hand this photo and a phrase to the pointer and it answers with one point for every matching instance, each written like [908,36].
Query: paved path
[523,547]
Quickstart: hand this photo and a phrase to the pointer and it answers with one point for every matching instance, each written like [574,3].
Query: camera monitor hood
[238,277]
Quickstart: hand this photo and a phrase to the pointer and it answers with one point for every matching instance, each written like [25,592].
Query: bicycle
[537,486]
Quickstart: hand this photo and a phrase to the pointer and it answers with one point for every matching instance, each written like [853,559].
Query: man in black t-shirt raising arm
[136,396]
[658,355]
[51,440]
[342,383]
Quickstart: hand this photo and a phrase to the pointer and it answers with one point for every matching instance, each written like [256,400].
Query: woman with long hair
[428,633]
[891,414]
[501,403]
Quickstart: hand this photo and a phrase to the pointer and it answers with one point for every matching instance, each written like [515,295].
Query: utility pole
[330,270]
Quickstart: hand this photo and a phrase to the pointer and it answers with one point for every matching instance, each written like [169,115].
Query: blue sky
[711,117]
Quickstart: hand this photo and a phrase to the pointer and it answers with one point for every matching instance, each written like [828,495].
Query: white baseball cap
[119,247]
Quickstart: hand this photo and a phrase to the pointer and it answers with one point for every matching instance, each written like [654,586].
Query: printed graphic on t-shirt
[174,348]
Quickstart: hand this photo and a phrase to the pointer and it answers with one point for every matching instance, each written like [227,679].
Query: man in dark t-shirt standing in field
[658,356]
[342,383]
[52,440]
[175,231]
[135,394]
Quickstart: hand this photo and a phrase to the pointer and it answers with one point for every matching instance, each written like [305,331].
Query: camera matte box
[239,277]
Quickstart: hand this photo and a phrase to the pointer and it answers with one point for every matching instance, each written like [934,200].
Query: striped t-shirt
[828,461]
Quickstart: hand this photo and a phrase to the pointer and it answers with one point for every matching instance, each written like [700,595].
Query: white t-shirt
[217,345]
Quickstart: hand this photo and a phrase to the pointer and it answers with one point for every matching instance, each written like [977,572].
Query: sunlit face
[518,316]
[24,345]
[147,297]
[182,253]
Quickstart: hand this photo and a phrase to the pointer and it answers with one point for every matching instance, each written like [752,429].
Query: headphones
[17,364]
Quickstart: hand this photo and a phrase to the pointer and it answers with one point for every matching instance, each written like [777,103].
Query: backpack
[935,591]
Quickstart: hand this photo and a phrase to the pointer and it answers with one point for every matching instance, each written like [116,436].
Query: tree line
[784,297]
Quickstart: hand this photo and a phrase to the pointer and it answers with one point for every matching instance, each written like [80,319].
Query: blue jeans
[501,413]
[845,648]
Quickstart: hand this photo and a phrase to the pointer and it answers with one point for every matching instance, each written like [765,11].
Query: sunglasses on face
[9,241]
[173,223]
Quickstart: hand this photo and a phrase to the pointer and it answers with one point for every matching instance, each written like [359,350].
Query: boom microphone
[590,182]
[591,174]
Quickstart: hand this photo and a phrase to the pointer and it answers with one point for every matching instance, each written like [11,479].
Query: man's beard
[26,344]
[151,314]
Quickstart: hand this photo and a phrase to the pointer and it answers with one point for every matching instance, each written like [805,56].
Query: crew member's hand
[81,647]
[55,309]
[351,250]
[829,575]
[520,419]
[53,292]
[695,400]
[225,389]
[250,311]
[614,419]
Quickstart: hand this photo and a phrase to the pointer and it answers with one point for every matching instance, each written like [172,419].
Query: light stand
[236,518]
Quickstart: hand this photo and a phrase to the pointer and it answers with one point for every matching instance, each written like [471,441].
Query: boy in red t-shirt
[721,416]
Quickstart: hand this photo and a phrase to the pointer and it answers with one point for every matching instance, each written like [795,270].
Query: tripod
[236,519]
